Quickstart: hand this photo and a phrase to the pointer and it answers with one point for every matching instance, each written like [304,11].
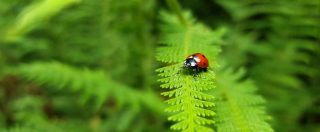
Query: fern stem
[175,7]
[186,42]
[190,105]
[234,107]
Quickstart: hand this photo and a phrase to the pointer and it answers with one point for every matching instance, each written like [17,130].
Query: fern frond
[183,41]
[289,28]
[287,36]
[189,100]
[91,84]
[239,109]
[35,14]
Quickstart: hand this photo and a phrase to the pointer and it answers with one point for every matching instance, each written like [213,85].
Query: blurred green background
[89,65]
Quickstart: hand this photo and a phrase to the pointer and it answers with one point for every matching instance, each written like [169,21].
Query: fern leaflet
[238,108]
[187,95]
[35,14]
[58,75]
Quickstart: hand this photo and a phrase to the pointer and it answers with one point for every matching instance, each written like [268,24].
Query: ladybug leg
[205,69]
[194,72]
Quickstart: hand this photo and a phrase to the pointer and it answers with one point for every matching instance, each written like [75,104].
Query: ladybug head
[190,63]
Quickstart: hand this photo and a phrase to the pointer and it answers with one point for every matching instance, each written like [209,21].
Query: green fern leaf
[188,98]
[92,84]
[287,27]
[35,14]
[239,109]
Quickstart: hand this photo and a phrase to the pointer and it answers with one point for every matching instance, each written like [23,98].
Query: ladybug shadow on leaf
[195,72]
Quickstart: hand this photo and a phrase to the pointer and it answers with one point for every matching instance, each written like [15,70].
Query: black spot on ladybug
[203,56]
[205,63]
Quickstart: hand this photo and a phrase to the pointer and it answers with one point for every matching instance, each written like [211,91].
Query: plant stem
[175,7]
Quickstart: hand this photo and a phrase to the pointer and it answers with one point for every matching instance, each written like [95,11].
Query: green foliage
[90,83]
[92,87]
[35,14]
[238,107]
[284,41]
[88,65]
[83,35]
[106,35]
[188,95]
[282,37]
[30,117]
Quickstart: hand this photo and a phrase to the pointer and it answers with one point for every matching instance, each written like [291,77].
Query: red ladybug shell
[201,60]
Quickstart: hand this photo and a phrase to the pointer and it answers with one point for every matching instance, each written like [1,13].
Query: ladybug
[197,62]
